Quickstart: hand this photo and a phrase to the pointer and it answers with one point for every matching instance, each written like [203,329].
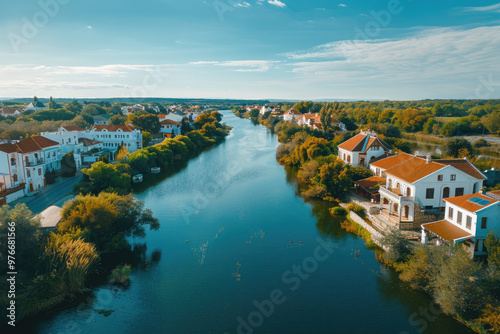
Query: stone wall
[422,217]
[376,235]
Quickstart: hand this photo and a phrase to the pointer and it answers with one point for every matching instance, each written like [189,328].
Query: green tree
[398,246]
[149,123]
[73,106]
[107,219]
[492,122]
[106,177]
[93,109]
[68,165]
[118,120]
[452,147]
[146,138]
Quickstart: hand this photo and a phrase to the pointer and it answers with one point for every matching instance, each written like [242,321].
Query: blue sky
[272,49]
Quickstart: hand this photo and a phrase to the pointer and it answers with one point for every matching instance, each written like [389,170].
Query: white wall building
[362,149]
[468,219]
[170,128]
[291,115]
[23,165]
[426,183]
[114,136]
[67,137]
[36,106]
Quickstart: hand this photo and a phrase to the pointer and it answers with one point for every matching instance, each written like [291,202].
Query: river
[225,260]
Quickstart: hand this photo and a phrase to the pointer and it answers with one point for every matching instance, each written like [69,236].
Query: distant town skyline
[264,49]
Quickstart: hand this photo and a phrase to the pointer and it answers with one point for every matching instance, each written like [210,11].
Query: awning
[447,231]
[370,184]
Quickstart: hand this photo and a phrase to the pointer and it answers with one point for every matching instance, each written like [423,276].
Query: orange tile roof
[414,169]
[494,194]
[392,161]
[464,203]
[464,165]
[447,231]
[350,144]
[111,128]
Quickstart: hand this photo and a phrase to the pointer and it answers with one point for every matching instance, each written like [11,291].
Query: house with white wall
[6,111]
[291,115]
[381,164]
[362,149]
[36,106]
[264,109]
[114,136]
[23,165]
[422,184]
[314,121]
[468,220]
[67,137]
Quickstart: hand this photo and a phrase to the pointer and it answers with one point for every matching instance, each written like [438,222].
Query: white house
[379,165]
[265,109]
[114,136]
[468,219]
[102,119]
[426,183]
[36,106]
[68,137]
[170,128]
[314,121]
[6,111]
[172,116]
[23,165]
[291,115]
[362,149]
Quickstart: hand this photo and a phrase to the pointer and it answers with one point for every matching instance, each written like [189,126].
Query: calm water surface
[232,230]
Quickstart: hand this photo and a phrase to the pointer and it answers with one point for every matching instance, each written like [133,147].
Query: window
[39,171]
[429,193]
[476,245]
[459,191]
[459,217]
[14,177]
[28,173]
[453,177]
[440,177]
[483,222]
[450,213]
[469,222]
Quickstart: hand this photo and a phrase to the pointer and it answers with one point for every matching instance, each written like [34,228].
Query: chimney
[428,158]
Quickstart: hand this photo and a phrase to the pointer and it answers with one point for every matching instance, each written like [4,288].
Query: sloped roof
[110,128]
[8,111]
[465,203]
[494,194]
[37,105]
[103,116]
[369,182]
[361,142]
[414,169]
[464,165]
[88,141]
[73,128]
[293,111]
[31,144]
[392,160]
[169,121]
[447,231]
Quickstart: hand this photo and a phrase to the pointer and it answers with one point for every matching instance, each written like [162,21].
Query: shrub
[120,275]
[357,209]
[339,211]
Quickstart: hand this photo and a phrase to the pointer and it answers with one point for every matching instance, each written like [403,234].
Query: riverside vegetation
[463,287]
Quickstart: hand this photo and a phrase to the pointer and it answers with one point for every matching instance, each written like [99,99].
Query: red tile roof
[362,142]
[31,144]
[168,121]
[111,128]
[392,161]
[369,182]
[464,203]
[464,165]
[350,144]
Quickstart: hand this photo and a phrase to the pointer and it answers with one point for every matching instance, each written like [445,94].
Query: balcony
[395,195]
[35,162]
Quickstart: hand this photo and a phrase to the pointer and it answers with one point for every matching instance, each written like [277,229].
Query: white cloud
[493,8]
[277,3]
[444,60]
[241,65]
[90,27]
[243,4]
[342,5]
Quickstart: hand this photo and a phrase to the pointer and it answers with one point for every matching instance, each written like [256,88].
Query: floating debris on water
[237,274]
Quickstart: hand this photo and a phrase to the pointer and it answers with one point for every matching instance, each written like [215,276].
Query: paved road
[51,194]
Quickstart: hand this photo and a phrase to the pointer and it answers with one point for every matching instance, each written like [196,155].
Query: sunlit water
[232,228]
